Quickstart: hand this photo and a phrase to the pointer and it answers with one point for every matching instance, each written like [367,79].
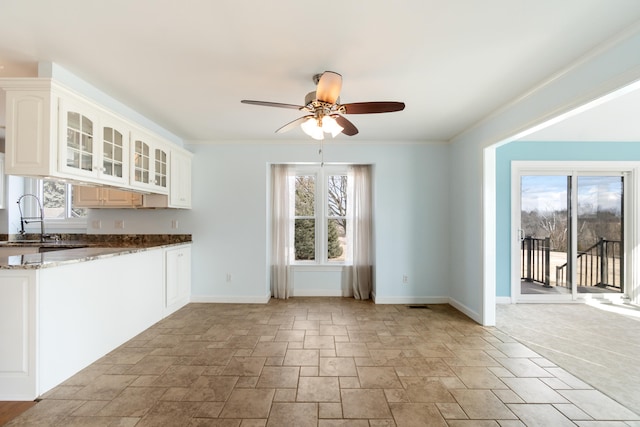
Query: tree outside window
[320,221]
[57,201]
[337,217]
[305,223]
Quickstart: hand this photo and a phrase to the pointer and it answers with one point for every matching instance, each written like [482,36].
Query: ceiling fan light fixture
[324,111]
[330,125]
[311,128]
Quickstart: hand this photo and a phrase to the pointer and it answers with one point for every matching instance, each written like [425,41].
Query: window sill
[319,267]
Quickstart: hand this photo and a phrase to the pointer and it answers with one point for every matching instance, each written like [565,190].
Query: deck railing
[600,265]
[536,260]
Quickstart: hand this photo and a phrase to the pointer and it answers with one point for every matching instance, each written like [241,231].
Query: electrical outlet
[96,223]
[405,278]
[228,277]
[174,224]
[119,224]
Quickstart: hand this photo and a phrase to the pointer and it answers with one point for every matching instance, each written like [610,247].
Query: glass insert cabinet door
[79,152]
[141,168]
[112,152]
[160,168]
[571,233]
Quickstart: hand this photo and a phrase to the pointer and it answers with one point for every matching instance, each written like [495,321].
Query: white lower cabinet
[56,321]
[177,277]
[18,316]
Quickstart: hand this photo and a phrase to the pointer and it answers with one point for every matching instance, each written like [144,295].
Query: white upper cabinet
[93,144]
[114,154]
[160,168]
[53,132]
[149,164]
[180,179]
[31,131]
[78,144]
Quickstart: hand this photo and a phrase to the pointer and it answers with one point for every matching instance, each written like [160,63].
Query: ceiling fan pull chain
[321,152]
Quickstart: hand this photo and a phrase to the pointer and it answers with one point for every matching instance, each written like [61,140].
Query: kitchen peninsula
[62,310]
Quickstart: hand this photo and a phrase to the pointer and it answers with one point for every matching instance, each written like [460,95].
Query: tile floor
[324,362]
[597,342]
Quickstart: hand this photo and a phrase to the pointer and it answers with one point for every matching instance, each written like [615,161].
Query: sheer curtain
[280,232]
[362,229]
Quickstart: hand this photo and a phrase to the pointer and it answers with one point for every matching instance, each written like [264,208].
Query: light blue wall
[229,216]
[465,207]
[528,150]
[472,181]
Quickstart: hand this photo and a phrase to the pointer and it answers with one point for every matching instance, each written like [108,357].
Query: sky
[549,193]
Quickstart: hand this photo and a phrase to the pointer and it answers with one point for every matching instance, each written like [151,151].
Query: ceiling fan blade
[329,87]
[347,127]
[372,107]
[272,104]
[293,124]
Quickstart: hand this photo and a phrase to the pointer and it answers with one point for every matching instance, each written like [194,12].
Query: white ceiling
[187,65]
[613,120]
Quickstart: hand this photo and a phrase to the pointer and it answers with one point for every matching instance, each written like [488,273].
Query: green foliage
[305,239]
[305,233]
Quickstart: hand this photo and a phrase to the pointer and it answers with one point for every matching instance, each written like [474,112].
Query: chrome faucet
[28,219]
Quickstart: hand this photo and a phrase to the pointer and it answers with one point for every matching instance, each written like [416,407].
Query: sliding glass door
[543,233]
[570,229]
[599,263]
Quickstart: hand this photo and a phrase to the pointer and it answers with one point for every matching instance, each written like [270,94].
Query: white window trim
[631,220]
[321,173]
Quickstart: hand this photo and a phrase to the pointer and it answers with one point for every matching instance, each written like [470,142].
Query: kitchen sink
[42,246]
[58,247]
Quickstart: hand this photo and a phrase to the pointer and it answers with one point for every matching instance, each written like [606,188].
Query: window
[305,218]
[56,199]
[320,220]
[336,217]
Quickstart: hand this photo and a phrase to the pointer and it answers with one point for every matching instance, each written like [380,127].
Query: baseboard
[320,293]
[503,300]
[474,315]
[231,299]
[411,300]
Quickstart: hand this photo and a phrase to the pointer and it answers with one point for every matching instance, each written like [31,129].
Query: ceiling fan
[325,110]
